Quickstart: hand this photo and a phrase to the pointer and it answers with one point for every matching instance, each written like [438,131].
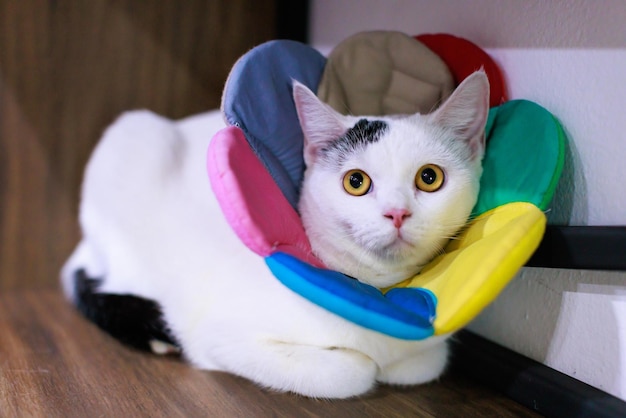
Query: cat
[159,268]
[390,231]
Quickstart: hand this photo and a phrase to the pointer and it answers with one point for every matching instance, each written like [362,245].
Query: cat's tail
[83,258]
[133,320]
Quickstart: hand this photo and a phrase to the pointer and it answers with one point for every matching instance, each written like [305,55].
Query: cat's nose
[397,216]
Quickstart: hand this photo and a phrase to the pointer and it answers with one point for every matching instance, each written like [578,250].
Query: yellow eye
[357,183]
[429,178]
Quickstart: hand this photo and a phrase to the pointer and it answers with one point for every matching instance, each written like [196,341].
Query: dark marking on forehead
[362,133]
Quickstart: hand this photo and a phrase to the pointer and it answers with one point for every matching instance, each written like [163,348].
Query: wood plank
[55,363]
[67,69]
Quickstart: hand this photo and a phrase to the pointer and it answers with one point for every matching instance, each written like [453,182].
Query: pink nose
[397,216]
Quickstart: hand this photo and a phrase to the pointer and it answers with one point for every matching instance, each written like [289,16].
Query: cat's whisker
[440,251]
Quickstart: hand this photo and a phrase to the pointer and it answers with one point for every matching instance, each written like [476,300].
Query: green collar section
[524,156]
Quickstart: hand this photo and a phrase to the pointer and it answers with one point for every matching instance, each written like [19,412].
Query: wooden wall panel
[67,69]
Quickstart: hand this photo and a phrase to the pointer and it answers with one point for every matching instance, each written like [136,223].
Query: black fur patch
[362,133]
[131,319]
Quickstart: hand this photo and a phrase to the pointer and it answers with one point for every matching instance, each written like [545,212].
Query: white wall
[570,57]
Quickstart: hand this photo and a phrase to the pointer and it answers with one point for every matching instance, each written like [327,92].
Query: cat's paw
[422,367]
[341,373]
[319,372]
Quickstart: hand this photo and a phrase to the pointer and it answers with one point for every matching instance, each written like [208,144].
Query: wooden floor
[54,363]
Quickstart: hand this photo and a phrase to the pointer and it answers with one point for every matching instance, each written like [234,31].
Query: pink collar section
[251,201]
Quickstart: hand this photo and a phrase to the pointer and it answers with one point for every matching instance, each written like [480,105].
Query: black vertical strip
[532,384]
[582,247]
[292,20]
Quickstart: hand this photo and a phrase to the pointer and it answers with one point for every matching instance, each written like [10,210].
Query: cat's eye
[357,182]
[429,178]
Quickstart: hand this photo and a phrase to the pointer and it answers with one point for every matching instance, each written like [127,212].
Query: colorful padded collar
[254,171]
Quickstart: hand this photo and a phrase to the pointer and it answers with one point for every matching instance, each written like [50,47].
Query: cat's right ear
[466,110]
[319,122]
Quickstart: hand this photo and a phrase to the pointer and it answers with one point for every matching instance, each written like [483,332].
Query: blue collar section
[258,99]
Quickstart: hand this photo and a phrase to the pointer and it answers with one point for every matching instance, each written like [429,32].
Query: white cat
[158,267]
[422,175]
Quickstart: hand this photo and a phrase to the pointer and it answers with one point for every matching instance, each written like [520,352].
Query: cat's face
[382,195]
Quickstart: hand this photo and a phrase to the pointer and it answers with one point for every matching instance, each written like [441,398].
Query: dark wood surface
[53,363]
[67,69]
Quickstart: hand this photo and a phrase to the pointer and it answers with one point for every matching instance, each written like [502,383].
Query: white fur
[152,228]
[352,233]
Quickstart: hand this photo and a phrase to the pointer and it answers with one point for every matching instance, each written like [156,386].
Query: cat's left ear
[320,123]
[465,112]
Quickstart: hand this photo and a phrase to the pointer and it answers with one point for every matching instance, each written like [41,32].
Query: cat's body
[153,229]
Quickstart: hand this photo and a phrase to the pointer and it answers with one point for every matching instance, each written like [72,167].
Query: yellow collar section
[478,264]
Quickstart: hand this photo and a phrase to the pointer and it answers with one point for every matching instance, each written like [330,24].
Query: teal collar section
[524,156]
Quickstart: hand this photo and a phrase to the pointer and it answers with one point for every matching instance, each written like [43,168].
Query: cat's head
[382,195]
